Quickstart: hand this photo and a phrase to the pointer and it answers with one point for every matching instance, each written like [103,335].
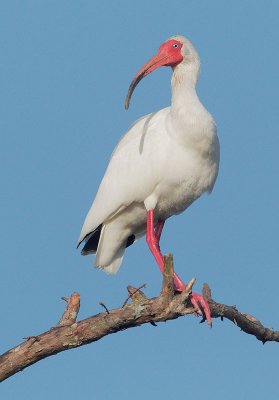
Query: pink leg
[159,229]
[152,238]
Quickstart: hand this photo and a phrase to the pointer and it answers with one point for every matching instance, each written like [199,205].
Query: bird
[165,161]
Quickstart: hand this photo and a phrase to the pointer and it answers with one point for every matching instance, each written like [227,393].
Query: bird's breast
[189,172]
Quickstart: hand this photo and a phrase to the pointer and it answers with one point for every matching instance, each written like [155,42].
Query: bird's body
[164,162]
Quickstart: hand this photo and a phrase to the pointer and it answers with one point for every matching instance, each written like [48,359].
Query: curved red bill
[155,62]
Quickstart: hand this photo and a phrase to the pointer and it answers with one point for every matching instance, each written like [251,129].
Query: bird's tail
[114,266]
[108,241]
[111,248]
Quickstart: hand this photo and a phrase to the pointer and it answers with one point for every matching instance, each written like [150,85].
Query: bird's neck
[184,80]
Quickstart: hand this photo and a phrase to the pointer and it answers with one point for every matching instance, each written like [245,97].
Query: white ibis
[165,161]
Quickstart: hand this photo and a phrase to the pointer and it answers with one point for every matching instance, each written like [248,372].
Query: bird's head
[171,53]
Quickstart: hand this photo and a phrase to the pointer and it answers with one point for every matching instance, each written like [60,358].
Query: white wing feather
[133,171]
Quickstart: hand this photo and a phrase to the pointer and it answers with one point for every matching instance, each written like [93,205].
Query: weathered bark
[68,333]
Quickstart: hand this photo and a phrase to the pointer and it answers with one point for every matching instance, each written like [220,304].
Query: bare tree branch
[169,305]
[246,322]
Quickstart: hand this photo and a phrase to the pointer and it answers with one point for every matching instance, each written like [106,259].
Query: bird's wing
[133,171]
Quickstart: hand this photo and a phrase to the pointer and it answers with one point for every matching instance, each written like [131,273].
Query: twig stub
[70,314]
[168,282]
[135,294]
[105,307]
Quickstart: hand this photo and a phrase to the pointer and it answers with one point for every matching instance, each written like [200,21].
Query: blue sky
[65,69]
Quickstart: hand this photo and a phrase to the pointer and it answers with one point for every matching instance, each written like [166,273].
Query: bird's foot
[199,302]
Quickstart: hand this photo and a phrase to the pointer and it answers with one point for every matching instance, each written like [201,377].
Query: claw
[195,304]
[201,305]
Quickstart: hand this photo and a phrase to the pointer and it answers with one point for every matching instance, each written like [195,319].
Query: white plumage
[164,162]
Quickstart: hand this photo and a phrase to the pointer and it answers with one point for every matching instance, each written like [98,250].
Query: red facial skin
[172,49]
[169,54]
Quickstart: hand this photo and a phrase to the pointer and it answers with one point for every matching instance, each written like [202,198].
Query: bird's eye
[175,45]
